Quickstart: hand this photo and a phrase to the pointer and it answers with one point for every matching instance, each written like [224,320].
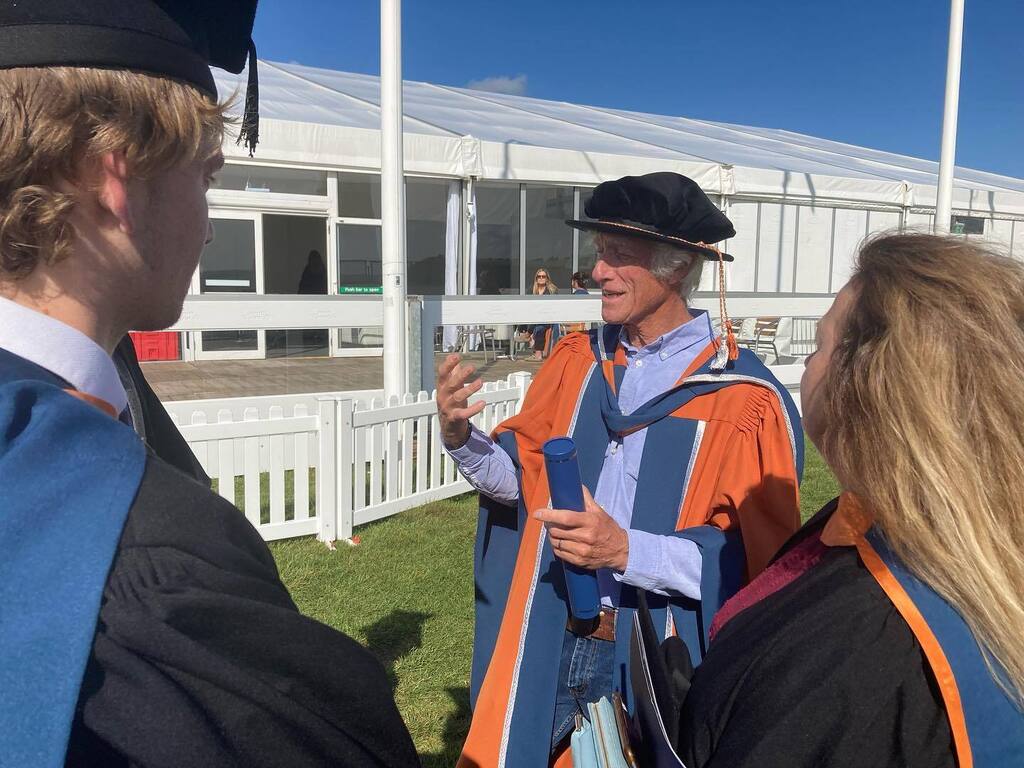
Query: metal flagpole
[392,198]
[944,196]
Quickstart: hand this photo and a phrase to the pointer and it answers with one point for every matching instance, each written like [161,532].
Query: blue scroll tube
[566,489]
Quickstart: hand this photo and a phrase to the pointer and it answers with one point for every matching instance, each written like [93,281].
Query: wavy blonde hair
[53,120]
[550,288]
[922,409]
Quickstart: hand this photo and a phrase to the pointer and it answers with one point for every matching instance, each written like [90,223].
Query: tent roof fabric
[522,137]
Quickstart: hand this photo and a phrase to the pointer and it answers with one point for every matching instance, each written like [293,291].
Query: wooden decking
[242,378]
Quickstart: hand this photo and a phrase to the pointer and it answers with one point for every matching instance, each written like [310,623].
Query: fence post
[413,322]
[326,473]
[430,319]
[344,470]
[521,381]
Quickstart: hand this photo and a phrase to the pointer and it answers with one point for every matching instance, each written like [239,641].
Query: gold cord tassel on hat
[727,348]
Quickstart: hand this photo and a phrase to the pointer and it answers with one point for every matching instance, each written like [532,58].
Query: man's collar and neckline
[62,350]
[696,330]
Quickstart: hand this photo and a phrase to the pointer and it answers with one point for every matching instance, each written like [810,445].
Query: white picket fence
[324,470]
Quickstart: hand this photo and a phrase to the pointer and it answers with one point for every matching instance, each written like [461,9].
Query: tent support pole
[392,199]
[944,197]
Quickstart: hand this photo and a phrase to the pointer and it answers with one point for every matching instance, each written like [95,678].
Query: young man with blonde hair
[142,619]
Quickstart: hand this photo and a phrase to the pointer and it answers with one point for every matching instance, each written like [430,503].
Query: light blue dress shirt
[661,564]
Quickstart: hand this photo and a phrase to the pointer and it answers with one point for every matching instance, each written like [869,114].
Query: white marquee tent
[322,117]
[520,165]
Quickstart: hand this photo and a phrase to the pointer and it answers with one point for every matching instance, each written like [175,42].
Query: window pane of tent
[293,254]
[587,253]
[359,195]
[739,274]
[259,178]
[918,222]
[1002,233]
[361,338]
[776,248]
[229,341]
[814,245]
[497,260]
[359,259]
[548,237]
[228,265]
[967,225]
[850,229]
[293,263]
[426,217]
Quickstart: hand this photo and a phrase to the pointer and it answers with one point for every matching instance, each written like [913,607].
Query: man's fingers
[572,552]
[588,502]
[468,412]
[563,518]
[459,376]
[448,365]
[466,392]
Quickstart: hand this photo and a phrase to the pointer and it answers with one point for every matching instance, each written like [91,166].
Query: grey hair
[667,261]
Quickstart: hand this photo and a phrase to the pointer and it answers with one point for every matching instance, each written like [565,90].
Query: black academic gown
[824,672]
[200,657]
[149,418]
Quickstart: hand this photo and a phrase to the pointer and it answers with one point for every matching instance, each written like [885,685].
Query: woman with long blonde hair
[890,630]
[543,285]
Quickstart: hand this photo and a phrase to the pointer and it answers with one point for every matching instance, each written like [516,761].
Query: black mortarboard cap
[664,207]
[180,39]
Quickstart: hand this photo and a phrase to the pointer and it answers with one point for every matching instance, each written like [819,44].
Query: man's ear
[112,187]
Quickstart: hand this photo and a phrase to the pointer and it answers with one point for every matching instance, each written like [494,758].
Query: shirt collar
[62,350]
[696,330]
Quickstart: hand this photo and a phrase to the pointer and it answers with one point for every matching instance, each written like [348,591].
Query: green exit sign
[360,289]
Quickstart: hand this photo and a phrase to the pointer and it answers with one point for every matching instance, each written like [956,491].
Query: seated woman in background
[579,283]
[542,285]
[890,630]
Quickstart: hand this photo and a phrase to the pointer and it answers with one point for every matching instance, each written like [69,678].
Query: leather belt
[601,627]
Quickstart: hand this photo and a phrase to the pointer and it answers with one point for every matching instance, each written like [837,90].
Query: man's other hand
[589,539]
[453,393]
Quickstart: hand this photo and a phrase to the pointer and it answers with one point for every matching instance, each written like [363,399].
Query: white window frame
[195,341]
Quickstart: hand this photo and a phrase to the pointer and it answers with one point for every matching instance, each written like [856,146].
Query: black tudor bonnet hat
[671,208]
[664,207]
[180,39]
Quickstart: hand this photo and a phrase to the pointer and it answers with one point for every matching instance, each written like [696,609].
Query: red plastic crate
[156,345]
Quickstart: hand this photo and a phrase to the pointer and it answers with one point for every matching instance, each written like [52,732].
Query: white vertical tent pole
[944,198]
[392,198]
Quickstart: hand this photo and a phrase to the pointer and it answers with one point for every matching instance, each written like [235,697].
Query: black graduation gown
[149,417]
[824,672]
[200,657]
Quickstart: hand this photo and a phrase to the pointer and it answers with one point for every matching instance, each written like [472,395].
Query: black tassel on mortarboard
[250,132]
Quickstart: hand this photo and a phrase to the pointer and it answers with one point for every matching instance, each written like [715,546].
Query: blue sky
[870,72]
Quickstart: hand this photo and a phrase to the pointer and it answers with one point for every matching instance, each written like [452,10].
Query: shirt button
[639,363]
[664,355]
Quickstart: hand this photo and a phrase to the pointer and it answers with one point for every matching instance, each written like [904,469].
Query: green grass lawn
[406,592]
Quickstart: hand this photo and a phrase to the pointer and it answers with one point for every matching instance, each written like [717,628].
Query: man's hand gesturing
[453,395]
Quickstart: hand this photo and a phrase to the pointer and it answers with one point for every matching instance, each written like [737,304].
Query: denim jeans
[584,676]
